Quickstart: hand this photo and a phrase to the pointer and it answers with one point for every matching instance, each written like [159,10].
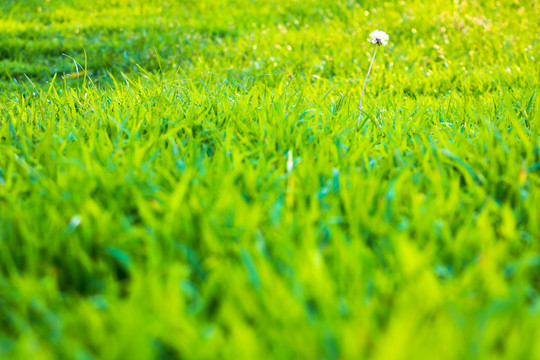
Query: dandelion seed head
[378,37]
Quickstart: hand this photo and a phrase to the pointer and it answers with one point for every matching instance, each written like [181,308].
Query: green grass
[146,209]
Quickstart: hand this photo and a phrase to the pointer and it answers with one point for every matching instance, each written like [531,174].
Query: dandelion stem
[364,88]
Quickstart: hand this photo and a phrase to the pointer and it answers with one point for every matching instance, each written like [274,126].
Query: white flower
[378,37]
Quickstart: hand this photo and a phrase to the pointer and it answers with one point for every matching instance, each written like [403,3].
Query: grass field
[187,180]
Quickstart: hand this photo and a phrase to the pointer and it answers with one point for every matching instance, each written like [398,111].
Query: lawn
[185,179]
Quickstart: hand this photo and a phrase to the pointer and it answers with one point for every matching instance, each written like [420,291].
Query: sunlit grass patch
[193,182]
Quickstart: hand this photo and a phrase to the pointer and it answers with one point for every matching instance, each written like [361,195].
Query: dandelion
[378,38]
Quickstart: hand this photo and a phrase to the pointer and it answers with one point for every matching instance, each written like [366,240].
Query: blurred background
[434,45]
